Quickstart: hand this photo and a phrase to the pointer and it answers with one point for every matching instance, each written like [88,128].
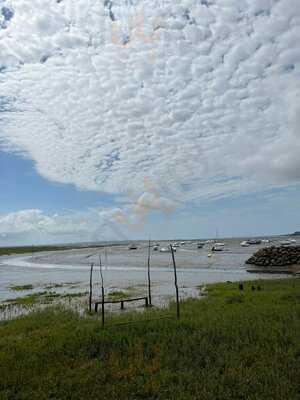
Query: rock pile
[276,256]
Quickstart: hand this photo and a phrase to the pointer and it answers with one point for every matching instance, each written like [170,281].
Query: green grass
[45,297]
[231,345]
[21,287]
[30,249]
[29,299]
[34,249]
[54,285]
[121,294]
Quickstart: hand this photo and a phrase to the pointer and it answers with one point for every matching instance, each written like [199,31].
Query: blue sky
[264,214]
[22,187]
[133,120]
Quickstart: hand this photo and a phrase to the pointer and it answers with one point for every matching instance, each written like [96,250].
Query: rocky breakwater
[276,260]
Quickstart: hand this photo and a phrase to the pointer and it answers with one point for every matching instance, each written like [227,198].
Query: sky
[124,119]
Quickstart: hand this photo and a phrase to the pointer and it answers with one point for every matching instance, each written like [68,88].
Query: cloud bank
[196,99]
[92,224]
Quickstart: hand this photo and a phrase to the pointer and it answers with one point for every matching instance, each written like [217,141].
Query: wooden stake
[91,287]
[176,285]
[102,291]
[149,277]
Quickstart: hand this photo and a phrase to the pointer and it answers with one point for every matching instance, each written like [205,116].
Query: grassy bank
[232,345]
[5,251]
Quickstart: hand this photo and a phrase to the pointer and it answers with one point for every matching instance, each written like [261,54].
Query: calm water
[125,268]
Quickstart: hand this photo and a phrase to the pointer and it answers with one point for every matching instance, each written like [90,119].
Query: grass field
[231,345]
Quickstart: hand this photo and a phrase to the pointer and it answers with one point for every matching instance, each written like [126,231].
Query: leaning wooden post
[149,277]
[175,281]
[91,287]
[102,290]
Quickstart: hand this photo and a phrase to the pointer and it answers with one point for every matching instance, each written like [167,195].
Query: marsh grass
[21,287]
[117,295]
[30,249]
[222,348]
[53,286]
[34,249]
[45,297]
[121,294]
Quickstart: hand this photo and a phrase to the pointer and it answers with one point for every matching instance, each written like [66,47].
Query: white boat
[245,244]
[164,250]
[219,244]
[254,241]
[182,243]
[155,248]
[217,248]
[286,243]
[167,249]
[265,240]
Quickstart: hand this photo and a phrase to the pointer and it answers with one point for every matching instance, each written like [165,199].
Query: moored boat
[286,243]
[254,241]
[245,244]
[217,248]
[167,249]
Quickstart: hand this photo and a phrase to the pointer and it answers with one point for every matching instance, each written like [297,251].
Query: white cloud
[27,221]
[123,223]
[201,100]
[150,201]
[92,224]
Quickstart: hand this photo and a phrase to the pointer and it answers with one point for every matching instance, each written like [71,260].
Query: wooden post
[105,253]
[149,277]
[91,287]
[102,291]
[176,285]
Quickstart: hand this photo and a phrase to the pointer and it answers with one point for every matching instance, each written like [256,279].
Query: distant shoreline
[24,249]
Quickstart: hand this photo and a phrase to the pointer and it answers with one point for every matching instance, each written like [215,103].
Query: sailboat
[218,246]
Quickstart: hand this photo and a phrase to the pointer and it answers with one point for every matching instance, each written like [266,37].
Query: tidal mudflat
[64,275]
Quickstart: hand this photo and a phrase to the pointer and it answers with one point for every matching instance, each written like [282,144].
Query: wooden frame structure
[122,301]
[146,299]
